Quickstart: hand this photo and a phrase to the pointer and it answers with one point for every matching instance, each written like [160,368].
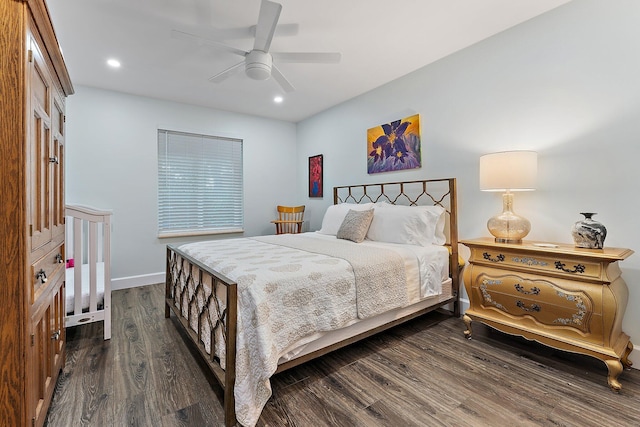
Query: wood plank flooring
[424,373]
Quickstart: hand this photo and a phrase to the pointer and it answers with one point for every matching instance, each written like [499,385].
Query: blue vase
[589,233]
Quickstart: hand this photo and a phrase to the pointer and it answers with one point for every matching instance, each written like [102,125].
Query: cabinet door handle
[42,275]
[578,268]
[534,307]
[56,335]
[54,159]
[498,258]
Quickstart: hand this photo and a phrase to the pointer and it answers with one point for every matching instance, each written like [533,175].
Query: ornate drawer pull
[59,258]
[42,275]
[56,335]
[487,256]
[578,268]
[529,261]
[534,307]
[534,291]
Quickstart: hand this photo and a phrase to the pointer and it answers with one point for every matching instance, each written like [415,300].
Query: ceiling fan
[259,62]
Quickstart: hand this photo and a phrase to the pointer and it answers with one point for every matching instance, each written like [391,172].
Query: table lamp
[508,171]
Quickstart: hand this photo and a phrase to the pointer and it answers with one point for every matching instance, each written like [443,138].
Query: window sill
[169,234]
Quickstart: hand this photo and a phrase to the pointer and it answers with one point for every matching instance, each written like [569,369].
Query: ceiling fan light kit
[258,62]
[258,65]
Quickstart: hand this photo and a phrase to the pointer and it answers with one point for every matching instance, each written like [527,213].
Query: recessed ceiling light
[113,63]
[277,99]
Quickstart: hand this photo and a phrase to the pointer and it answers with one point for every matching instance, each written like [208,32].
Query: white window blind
[199,184]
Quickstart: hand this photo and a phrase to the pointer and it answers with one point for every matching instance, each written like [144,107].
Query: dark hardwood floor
[424,373]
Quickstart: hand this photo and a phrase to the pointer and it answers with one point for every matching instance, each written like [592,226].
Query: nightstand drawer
[548,290]
[558,265]
[547,303]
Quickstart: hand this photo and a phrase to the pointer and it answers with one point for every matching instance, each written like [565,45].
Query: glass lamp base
[508,227]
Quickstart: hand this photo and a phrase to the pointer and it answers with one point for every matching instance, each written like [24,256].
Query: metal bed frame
[187,280]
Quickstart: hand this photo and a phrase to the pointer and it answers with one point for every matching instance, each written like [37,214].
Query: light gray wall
[112,160]
[566,84]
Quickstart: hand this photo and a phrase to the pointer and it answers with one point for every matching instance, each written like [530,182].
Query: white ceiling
[379,41]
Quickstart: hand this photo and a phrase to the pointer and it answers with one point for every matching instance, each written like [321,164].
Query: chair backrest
[290,219]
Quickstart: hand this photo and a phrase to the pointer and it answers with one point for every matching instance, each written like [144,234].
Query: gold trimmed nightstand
[565,297]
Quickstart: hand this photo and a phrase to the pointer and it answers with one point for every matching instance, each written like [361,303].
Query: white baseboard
[464,304]
[135,281]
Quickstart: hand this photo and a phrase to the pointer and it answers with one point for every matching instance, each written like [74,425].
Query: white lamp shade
[509,171]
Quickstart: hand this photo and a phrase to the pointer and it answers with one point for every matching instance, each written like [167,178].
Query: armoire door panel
[41,366]
[57,198]
[39,78]
[58,335]
[40,151]
[58,155]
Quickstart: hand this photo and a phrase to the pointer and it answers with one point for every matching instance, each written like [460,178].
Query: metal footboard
[205,302]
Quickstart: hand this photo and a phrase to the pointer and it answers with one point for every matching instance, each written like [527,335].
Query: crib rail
[88,248]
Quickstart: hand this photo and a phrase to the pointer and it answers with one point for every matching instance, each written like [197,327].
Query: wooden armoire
[33,86]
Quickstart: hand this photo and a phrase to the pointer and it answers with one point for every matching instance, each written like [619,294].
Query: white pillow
[413,225]
[440,238]
[334,216]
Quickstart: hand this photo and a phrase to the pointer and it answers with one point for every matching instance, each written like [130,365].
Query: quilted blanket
[290,287]
[379,273]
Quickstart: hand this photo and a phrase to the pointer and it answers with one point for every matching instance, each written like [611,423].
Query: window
[199,184]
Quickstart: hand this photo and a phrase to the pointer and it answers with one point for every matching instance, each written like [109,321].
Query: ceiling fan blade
[307,57]
[282,30]
[267,22]
[180,35]
[281,79]
[226,73]
[287,30]
[221,35]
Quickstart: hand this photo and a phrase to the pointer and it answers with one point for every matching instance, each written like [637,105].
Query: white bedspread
[379,275]
[286,294]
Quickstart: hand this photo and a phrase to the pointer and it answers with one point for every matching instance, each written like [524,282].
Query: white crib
[88,275]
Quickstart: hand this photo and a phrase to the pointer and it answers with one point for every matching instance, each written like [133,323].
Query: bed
[88,262]
[258,306]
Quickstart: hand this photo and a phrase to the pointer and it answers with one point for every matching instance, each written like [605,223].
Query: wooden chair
[289,220]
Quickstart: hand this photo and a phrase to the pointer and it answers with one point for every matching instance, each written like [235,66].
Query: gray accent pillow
[355,225]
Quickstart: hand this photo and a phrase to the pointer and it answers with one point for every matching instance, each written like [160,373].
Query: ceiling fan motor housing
[258,65]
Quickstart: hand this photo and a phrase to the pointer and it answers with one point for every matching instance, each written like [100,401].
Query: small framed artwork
[394,146]
[315,176]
